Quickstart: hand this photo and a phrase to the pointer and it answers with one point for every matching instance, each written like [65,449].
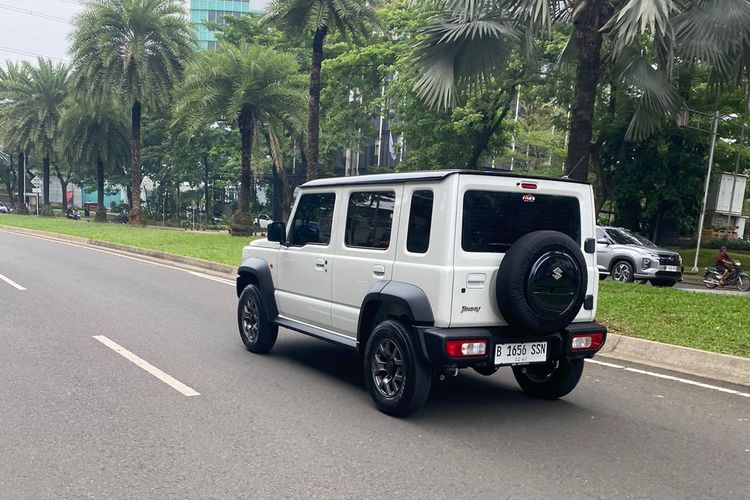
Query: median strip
[12,283]
[164,377]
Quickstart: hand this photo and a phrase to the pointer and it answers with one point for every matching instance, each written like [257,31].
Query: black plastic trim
[589,246]
[433,341]
[409,297]
[259,269]
[588,303]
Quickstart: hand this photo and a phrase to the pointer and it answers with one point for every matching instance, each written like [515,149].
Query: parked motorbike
[73,214]
[736,277]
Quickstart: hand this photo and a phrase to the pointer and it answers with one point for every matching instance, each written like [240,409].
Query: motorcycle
[736,277]
[73,214]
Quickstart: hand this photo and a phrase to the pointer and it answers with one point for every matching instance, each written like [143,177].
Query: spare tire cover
[541,283]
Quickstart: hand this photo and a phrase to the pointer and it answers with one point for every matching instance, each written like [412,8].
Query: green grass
[217,247]
[712,322]
[708,257]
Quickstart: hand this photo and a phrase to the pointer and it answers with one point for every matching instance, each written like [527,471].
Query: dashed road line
[12,283]
[670,377]
[164,377]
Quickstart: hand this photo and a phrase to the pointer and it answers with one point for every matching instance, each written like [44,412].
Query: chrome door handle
[378,271]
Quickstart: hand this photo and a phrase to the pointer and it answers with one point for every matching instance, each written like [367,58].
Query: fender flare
[256,271]
[412,299]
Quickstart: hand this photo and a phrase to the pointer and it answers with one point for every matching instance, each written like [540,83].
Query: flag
[390,145]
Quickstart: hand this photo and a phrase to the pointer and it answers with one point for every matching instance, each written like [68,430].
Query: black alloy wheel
[256,332]
[396,376]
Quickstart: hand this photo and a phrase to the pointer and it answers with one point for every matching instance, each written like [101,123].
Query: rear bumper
[433,339]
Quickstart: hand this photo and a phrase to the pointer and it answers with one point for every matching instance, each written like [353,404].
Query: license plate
[672,269]
[520,353]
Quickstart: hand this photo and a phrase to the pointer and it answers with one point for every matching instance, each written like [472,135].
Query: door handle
[320,264]
[378,271]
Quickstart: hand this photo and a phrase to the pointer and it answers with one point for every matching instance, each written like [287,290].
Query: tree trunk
[101,210]
[301,174]
[46,209]
[492,123]
[11,182]
[64,187]
[134,218]
[587,37]
[242,222]
[21,207]
[207,192]
[313,123]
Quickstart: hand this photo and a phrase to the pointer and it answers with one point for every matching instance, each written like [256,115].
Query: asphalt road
[77,419]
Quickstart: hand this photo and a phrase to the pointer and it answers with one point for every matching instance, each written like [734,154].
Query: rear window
[494,220]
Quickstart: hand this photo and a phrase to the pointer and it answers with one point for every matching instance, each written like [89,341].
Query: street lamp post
[714,127]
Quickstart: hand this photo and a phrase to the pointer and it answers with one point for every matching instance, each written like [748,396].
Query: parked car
[628,256]
[427,273]
[263,220]
[4,209]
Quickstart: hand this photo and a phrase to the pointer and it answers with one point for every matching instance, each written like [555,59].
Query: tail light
[586,341]
[466,348]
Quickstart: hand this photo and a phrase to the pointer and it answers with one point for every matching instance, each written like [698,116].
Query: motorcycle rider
[723,260]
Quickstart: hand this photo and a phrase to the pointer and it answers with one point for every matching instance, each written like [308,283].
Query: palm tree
[34,103]
[319,18]
[472,39]
[134,51]
[12,77]
[96,136]
[246,86]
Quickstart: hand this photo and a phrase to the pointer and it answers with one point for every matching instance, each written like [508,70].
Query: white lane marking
[164,377]
[671,377]
[12,283]
[118,254]
[213,278]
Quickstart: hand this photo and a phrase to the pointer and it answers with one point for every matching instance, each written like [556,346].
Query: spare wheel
[541,283]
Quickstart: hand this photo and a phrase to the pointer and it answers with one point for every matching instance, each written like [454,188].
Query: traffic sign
[36,181]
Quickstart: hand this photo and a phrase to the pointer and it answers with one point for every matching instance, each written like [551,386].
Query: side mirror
[602,242]
[277,232]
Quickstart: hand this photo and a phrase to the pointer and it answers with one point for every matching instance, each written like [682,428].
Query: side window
[369,218]
[600,234]
[420,222]
[313,220]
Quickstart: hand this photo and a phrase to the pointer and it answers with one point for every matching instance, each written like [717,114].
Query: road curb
[188,261]
[732,369]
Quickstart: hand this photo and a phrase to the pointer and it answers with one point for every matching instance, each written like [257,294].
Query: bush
[738,245]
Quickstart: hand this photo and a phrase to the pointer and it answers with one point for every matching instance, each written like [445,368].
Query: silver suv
[629,256]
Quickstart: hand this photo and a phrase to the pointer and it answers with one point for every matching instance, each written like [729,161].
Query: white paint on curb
[12,283]
[671,377]
[164,377]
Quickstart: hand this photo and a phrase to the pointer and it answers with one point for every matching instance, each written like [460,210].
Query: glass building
[215,10]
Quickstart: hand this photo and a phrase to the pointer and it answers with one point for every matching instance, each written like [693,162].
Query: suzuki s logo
[557,273]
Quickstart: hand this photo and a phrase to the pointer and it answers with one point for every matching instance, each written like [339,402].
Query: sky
[31,28]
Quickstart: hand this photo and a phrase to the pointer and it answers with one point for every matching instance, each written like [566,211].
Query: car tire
[396,376]
[486,370]
[662,283]
[256,332]
[550,380]
[622,271]
[603,277]
[541,283]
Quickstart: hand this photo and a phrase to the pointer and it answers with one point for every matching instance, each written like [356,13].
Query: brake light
[528,185]
[587,341]
[466,348]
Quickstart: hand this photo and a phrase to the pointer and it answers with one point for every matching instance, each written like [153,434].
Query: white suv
[425,273]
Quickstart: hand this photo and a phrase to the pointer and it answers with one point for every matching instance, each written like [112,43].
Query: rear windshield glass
[494,220]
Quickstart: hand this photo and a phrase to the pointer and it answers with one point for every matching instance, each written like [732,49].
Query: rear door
[366,249]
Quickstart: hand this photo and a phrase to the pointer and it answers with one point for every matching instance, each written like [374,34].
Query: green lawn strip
[216,247]
[712,322]
[708,258]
